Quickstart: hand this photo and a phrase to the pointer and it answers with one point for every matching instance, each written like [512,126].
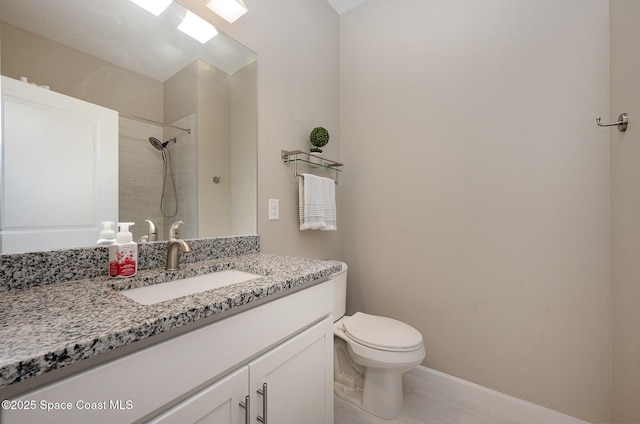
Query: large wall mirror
[173,137]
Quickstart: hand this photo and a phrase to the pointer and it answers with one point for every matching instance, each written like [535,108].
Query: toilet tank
[339,292]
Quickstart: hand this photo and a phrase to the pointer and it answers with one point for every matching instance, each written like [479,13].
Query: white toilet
[370,355]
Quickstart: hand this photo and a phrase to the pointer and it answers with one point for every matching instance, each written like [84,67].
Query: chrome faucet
[173,247]
[152,233]
[174,231]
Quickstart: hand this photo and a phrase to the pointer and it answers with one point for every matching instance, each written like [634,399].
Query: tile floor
[425,403]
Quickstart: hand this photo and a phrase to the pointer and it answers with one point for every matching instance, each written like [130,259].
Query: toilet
[370,355]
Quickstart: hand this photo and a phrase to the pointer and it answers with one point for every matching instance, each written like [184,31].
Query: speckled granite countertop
[48,327]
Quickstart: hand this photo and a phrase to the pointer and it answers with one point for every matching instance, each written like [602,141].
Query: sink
[161,292]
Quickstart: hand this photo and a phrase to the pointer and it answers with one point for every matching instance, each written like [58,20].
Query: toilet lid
[382,333]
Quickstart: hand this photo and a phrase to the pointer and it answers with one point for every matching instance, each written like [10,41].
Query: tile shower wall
[183,156]
[141,177]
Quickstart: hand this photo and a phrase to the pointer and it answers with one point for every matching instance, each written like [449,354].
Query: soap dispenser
[123,254]
[107,234]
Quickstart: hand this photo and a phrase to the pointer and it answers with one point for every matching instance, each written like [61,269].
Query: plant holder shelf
[301,159]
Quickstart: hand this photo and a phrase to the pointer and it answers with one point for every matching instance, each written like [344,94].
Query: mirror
[186,120]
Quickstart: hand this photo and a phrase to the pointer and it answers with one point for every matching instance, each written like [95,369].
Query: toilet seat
[382,333]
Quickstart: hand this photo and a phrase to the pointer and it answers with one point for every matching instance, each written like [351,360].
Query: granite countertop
[48,327]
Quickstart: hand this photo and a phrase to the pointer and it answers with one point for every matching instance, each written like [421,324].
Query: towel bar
[310,159]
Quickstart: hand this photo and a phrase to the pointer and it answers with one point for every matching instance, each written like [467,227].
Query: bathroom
[479,202]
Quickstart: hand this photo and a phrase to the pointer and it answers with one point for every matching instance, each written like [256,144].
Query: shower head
[156,143]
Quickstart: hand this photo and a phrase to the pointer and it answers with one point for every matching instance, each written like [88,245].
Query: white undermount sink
[161,292]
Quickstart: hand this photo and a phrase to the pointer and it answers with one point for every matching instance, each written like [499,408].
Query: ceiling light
[230,10]
[196,27]
[154,6]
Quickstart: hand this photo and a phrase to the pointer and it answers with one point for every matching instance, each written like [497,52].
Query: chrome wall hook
[622,122]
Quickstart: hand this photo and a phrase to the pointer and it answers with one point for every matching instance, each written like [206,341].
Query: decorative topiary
[319,137]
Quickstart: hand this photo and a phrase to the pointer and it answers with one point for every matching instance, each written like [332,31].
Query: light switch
[274,209]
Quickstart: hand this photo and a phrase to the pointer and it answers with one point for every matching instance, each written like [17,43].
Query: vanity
[255,351]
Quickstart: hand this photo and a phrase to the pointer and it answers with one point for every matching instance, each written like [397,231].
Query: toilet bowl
[370,355]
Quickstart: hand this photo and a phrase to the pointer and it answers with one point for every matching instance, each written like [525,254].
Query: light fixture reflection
[154,6]
[230,10]
[196,27]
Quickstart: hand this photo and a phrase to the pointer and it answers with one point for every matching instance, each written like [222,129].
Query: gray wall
[476,190]
[297,42]
[625,210]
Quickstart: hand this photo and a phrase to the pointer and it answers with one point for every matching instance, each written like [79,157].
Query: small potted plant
[319,137]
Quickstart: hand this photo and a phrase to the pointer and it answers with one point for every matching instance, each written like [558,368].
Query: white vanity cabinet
[289,384]
[203,375]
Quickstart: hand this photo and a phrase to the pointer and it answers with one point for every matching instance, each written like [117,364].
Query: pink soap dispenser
[123,254]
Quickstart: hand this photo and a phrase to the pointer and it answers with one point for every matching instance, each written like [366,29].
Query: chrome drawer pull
[263,392]
[247,408]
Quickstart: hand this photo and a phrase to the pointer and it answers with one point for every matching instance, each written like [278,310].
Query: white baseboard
[509,407]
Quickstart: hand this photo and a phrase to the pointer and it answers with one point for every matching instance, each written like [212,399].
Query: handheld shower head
[168,171]
[159,144]
[156,143]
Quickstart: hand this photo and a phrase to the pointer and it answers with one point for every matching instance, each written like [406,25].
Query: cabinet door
[299,379]
[216,404]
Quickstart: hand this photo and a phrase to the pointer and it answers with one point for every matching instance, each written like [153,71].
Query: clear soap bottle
[107,234]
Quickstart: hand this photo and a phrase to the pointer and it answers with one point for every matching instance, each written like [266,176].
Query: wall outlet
[274,209]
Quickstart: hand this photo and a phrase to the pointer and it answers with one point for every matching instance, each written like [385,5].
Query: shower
[168,169]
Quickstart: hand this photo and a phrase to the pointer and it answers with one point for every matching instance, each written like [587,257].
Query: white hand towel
[317,203]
